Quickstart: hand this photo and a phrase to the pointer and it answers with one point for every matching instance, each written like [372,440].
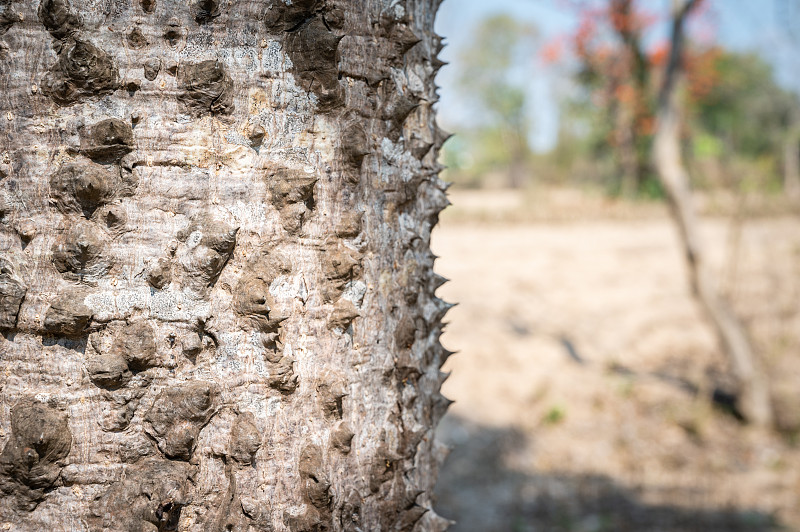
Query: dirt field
[585,369]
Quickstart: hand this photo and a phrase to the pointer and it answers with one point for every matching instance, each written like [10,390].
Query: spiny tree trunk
[216,286]
[754,398]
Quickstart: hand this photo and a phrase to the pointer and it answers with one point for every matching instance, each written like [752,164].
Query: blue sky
[765,26]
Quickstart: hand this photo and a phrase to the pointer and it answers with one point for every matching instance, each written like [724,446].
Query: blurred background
[592,389]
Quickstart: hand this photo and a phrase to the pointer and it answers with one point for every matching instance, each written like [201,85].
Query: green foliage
[554,416]
[486,77]
[651,189]
[583,153]
[745,109]
[741,123]
[736,126]
[496,137]
[737,120]
[705,145]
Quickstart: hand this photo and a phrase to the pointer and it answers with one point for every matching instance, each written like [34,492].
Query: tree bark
[216,286]
[754,398]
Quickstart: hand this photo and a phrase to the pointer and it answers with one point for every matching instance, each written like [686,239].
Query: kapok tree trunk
[754,397]
[216,287]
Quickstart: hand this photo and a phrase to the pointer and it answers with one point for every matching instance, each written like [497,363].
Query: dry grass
[558,205]
[585,369]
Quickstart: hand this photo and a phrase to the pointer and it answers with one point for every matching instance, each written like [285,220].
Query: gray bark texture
[216,286]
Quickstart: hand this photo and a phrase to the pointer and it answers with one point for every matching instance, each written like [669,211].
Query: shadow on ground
[480,488]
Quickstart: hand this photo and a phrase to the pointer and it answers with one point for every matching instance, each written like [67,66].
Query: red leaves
[660,54]
[585,35]
[620,68]
[553,51]
[702,72]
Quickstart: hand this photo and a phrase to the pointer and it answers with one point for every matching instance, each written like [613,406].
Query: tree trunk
[216,286]
[626,149]
[791,159]
[633,165]
[754,399]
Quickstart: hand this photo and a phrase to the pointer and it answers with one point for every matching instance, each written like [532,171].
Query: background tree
[738,122]
[216,289]
[490,82]
[727,108]
[737,114]
[615,69]
[753,392]
[791,156]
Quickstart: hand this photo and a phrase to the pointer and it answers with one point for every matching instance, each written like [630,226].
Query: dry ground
[585,369]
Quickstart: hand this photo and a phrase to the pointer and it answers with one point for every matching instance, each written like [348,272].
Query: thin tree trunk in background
[626,146]
[734,245]
[791,159]
[754,398]
[517,169]
[216,286]
[517,174]
[632,162]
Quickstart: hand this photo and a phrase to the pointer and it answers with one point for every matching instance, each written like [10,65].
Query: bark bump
[208,243]
[178,415]
[80,253]
[136,39]
[12,293]
[151,497]
[108,371]
[108,140]
[342,437]
[282,16]
[312,48]
[59,19]
[207,10]
[135,344]
[82,187]
[148,6]
[245,439]
[81,71]
[206,87]
[151,68]
[32,459]
[312,474]
[68,315]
